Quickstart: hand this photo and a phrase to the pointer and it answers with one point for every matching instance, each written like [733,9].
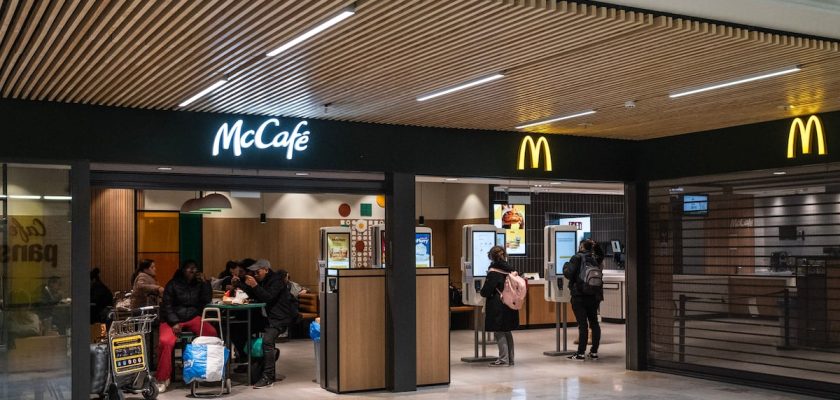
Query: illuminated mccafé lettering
[535,147]
[232,136]
[813,126]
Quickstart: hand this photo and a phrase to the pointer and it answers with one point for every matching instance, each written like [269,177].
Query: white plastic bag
[205,359]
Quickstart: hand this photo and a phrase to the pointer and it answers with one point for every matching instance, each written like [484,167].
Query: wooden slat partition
[371,67]
[112,235]
[290,244]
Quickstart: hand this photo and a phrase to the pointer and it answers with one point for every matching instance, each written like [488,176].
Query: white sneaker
[161,386]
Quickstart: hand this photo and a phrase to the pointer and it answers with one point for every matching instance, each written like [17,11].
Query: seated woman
[145,290]
[183,300]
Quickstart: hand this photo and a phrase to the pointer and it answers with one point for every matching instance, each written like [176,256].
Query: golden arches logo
[813,126]
[535,147]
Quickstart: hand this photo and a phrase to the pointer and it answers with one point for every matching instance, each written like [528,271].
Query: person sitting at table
[145,290]
[183,299]
[271,288]
[223,281]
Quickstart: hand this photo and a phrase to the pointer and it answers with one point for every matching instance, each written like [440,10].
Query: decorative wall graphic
[344,210]
[380,201]
[360,235]
[366,210]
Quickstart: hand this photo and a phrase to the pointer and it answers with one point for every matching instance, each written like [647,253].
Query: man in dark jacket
[271,288]
[585,305]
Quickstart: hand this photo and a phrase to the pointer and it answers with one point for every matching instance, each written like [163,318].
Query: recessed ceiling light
[164,168]
[203,93]
[550,120]
[301,173]
[451,179]
[346,13]
[780,173]
[460,87]
[736,82]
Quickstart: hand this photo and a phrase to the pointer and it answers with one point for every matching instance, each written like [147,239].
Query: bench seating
[308,308]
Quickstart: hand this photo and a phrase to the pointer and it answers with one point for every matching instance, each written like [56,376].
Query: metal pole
[478,326]
[562,321]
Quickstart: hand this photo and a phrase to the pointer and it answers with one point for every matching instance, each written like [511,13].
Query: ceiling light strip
[203,93]
[736,82]
[346,13]
[462,86]
[550,120]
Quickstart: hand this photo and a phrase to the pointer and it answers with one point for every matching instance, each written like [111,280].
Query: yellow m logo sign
[814,125]
[529,144]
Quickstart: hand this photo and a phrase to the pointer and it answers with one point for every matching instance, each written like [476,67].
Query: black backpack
[455,297]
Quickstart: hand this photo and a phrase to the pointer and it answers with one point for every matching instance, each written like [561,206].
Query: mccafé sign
[266,136]
[540,147]
[24,246]
[804,131]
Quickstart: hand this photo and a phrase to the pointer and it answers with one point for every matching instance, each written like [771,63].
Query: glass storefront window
[35,314]
[745,274]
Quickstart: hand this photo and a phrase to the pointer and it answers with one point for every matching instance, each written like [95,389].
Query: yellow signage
[814,125]
[535,147]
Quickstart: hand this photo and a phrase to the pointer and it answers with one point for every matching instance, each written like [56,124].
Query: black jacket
[280,306]
[183,301]
[498,317]
[571,271]
[100,299]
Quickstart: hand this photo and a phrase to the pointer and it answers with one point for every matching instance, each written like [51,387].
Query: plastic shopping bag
[205,359]
[315,331]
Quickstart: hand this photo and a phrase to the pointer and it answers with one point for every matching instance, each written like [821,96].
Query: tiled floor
[534,376]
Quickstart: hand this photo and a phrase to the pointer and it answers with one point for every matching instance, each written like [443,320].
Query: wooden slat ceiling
[559,58]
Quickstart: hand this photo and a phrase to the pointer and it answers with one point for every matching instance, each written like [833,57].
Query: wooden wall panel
[432,327]
[290,244]
[112,235]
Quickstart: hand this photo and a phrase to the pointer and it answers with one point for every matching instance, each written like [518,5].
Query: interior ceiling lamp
[203,93]
[462,86]
[189,206]
[736,82]
[550,120]
[214,202]
[341,16]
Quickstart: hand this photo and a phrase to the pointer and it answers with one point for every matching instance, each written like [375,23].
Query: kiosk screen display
[482,242]
[696,204]
[565,244]
[423,250]
[338,250]
[500,239]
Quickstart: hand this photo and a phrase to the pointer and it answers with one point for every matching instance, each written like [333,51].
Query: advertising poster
[512,218]
[338,250]
[423,250]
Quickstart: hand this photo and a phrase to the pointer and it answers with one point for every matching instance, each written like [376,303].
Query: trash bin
[315,334]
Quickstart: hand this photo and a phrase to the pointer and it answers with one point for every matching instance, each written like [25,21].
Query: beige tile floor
[535,376]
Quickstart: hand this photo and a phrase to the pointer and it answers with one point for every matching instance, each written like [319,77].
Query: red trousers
[167,344]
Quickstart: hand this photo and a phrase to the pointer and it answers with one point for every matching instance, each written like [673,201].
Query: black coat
[280,306]
[183,301]
[100,299]
[498,317]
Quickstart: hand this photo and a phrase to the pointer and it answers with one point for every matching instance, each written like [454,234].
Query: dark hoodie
[499,317]
[183,301]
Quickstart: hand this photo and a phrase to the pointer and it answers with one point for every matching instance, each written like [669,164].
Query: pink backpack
[514,291]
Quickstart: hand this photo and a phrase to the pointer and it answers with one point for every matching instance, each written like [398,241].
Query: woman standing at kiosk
[499,318]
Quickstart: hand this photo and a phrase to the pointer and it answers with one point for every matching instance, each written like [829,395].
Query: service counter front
[353,332]
[432,326]
[537,311]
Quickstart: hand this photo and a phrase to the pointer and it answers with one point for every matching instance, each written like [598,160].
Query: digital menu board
[338,250]
[565,246]
[482,242]
[512,218]
[423,249]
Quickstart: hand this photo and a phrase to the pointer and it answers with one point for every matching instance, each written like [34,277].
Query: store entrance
[459,210]
[232,228]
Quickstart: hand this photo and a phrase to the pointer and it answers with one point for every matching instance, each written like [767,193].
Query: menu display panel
[565,244]
[423,250]
[338,250]
[482,242]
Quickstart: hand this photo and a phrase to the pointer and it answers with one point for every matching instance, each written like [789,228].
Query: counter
[614,307]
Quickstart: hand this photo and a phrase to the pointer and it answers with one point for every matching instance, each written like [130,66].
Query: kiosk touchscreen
[423,248]
[560,244]
[334,255]
[477,241]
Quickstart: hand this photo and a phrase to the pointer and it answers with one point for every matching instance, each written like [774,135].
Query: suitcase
[99,368]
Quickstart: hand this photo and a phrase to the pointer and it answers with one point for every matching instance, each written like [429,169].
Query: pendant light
[214,202]
[421,220]
[263,218]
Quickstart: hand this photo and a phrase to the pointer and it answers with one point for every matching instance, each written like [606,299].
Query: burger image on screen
[511,217]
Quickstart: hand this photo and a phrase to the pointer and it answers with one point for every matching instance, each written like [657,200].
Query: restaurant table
[225,310]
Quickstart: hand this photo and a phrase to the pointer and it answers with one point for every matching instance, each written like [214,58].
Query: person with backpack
[499,318]
[584,271]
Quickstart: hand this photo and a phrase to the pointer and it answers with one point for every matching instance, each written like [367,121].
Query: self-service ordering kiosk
[422,247]
[334,255]
[560,243]
[476,242]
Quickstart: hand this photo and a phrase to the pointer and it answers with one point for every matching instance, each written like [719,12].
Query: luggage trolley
[129,361]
